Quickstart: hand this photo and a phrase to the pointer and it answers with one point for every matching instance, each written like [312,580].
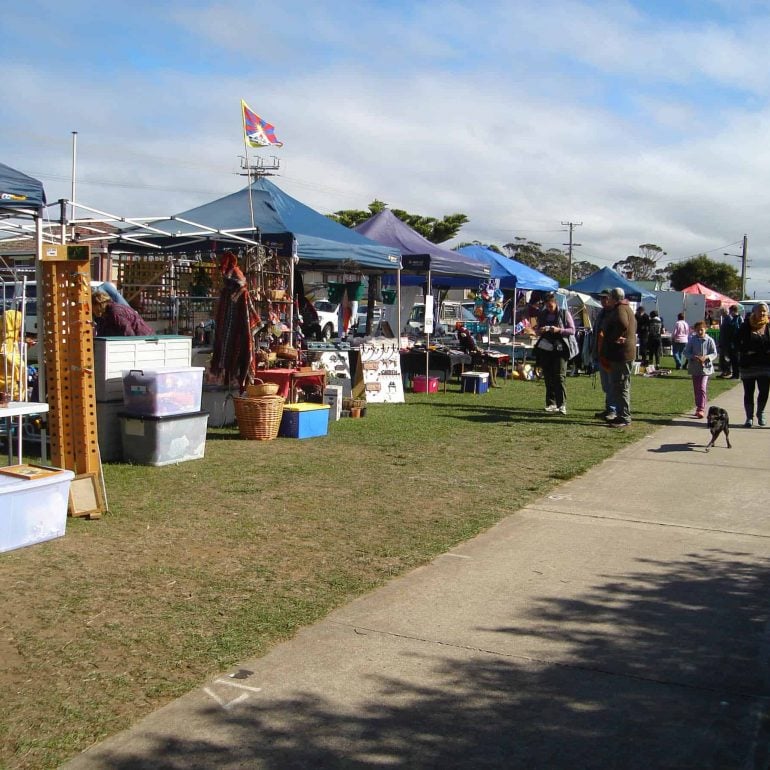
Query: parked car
[450,313]
[327,317]
[363,311]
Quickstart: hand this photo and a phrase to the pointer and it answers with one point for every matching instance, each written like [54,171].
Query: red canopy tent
[714,299]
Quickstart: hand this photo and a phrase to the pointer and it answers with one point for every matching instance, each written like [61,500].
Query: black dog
[719,422]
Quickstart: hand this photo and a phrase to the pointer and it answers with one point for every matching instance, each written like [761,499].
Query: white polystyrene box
[33,510]
[114,355]
[333,397]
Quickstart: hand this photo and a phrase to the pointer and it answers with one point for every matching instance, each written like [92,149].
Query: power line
[572,226]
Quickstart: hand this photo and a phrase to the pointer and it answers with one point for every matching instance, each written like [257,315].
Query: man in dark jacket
[608,413]
[728,342]
[642,332]
[618,351]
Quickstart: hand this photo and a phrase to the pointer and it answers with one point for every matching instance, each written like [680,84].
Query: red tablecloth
[288,380]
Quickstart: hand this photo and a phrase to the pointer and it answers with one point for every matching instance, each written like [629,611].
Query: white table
[18,409]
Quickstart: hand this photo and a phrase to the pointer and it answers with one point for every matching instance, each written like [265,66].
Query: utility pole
[744,261]
[572,226]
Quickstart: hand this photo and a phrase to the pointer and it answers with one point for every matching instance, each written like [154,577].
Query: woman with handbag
[555,346]
[700,351]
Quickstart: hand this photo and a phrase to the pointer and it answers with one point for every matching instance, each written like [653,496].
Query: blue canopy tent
[319,240]
[20,195]
[607,278]
[510,273]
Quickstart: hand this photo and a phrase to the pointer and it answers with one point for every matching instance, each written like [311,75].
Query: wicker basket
[259,418]
[287,352]
[260,388]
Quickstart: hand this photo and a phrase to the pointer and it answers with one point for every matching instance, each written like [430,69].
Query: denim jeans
[620,379]
[677,348]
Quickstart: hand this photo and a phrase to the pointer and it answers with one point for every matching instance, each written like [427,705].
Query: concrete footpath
[622,621]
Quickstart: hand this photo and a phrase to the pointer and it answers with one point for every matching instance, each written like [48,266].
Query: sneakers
[748,423]
[618,423]
[552,408]
[563,410]
[698,415]
[611,416]
[761,420]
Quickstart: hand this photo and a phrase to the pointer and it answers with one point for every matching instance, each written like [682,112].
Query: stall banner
[380,372]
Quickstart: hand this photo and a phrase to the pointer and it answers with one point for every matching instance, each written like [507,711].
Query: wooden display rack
[71,393]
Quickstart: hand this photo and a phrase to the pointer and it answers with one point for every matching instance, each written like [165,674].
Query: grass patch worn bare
[200,565]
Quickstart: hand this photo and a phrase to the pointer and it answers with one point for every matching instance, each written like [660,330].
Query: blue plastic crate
[304,420]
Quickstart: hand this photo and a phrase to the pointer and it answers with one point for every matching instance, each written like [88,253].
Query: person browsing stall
[679,336]
[553,350]
[115,320]
[609,412]
[617,353]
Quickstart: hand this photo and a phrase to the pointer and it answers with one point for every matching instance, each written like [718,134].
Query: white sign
[380,371]
[428,325]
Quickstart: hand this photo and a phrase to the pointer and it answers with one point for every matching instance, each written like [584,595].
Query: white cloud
[520,115]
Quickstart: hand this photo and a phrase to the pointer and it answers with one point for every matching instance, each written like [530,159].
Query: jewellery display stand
[71,393]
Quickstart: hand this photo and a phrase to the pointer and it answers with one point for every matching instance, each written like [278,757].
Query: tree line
[553,262]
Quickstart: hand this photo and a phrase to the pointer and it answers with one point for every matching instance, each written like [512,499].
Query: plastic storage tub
[163,392]
[33,510]
[304,420]
[115,355]
[151,440]
[418,384]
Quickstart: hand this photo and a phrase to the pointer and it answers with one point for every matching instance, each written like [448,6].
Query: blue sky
[645,121]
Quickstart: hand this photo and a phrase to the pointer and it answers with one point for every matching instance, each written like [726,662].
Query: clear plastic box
[33,510]
[163,392]
[151,440]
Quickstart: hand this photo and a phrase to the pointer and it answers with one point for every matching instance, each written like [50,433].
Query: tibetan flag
[256,131]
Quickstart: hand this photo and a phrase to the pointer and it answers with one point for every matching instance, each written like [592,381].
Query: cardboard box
[33,510]
[475,382]
[153,440]
[418,384]
[304,420]
[333,398]
[163,392]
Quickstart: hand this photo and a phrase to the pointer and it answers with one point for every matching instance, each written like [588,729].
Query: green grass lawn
[200,565]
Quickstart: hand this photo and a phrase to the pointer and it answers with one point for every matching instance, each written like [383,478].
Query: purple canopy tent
[421,256]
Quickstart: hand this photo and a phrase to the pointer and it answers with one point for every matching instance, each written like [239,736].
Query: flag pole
[248,164]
